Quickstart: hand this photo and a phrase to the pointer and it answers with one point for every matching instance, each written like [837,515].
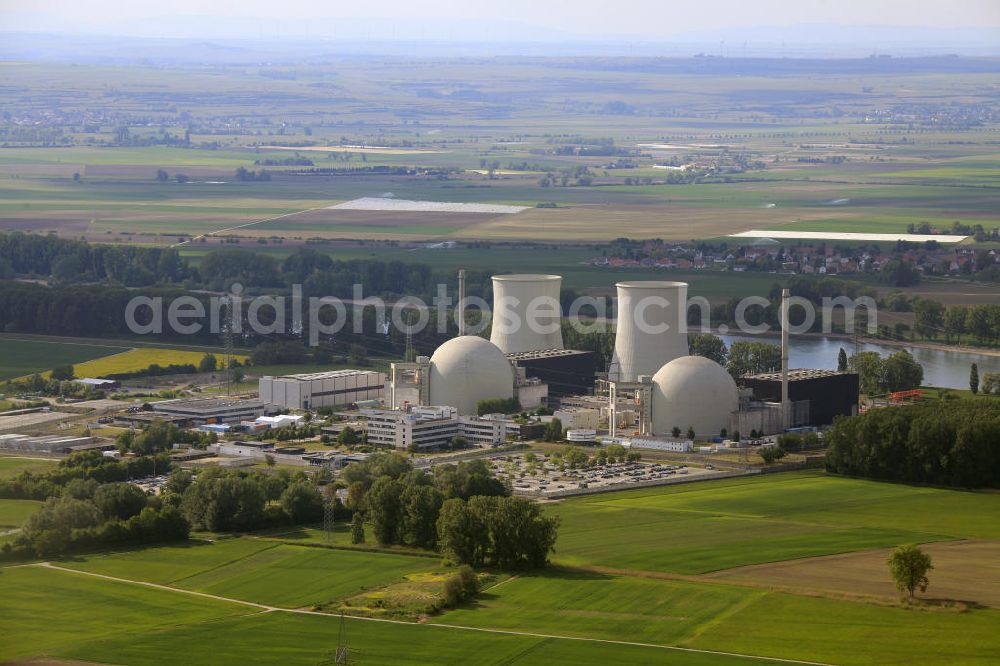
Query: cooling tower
[526,313]
[652,328]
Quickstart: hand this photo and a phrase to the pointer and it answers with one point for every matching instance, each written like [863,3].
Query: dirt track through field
[298,611]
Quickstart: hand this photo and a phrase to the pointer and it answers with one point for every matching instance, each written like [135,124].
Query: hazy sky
[640,19]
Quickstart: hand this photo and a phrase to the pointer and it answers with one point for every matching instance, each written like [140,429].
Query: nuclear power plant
[653,388]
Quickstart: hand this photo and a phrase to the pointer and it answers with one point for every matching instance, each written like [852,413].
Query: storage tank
[695,392]
[468,369]
[652,327]
[526,313]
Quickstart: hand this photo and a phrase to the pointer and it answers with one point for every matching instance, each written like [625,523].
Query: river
[944,368]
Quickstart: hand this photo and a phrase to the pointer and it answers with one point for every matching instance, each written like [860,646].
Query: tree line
[957,444]
[461,510]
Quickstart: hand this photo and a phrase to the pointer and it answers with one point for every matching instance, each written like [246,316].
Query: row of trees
[87,514]
[461,509]
[876,375]
[981,322]
[923,443]
[84,465]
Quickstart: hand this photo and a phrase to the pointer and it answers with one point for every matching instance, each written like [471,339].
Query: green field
[14,512]
[632,567]
[707,527]
[13,465]
[24,357]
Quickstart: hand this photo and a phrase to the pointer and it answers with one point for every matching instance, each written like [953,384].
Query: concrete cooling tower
[652,327]
[526,313]
[468,369]
[693,392]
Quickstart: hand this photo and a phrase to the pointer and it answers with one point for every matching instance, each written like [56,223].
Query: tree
[119,500]
[62,372]
[930,319]
[269,460]
[708,345]
[553,431]
[420,507]
[208,363]
[842,360]
[358,528]
[385,509]
[675,431]
[461,533]
[302,502]
[162,175]
[348,436]
[691,433]
[868,365]
[748,358]
[909,566]
[974,378]
[771,453]
[901,372]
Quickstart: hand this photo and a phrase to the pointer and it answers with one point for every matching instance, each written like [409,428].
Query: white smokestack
[526,313]
[652,327]
[460,306]
[785,404]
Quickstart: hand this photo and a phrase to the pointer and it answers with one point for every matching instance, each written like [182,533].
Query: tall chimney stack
[785,404]
[460,306]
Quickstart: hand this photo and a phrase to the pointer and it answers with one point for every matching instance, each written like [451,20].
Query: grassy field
[25,357]
[165,627]
[708,527]
[13,465]
[637,568]
[13,512]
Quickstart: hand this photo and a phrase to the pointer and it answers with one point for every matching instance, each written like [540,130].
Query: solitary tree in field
[909,566]
[974,378]
[842,360]
[357,528]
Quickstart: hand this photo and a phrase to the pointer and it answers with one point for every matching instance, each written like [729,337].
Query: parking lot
[544,476]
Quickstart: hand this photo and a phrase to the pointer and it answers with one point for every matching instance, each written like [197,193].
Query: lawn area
[111,622]
[25,357]
[168,563]
[595,605]
[14,512]
[296,576]
[716,525]
[13,465]
[47,611]
[855,634]
[260,571]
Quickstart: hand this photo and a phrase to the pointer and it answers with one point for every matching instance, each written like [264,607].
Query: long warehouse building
[334,388]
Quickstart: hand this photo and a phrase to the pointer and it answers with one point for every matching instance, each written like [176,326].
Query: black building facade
[829,393]
[566,371]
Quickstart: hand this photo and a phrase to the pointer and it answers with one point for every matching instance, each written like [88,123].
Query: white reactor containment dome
[526,313]
[651,329]
[693,391]
[468,369]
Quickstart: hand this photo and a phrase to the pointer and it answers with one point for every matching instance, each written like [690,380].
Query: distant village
[768,255]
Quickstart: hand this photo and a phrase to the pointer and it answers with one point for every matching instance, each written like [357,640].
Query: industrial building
[334,388]
[826,394]
[419,427]
[63,444]
[199,411]
[565,371]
